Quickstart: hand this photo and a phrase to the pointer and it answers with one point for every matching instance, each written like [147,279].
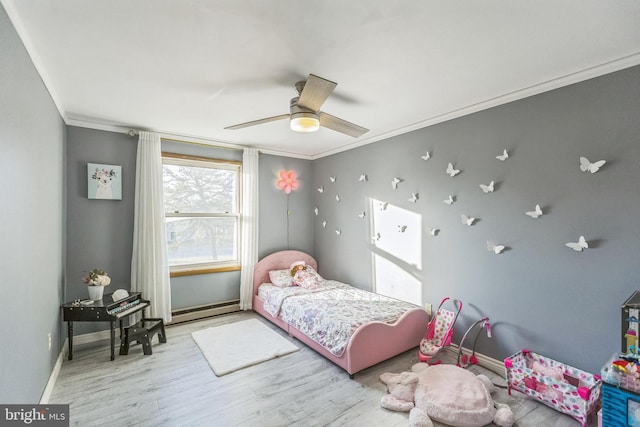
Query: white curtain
[149,263]
[249,245]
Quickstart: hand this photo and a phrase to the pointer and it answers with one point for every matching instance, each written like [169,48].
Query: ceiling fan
[304,110]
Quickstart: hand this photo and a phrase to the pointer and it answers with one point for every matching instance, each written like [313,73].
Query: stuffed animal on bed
[444,393]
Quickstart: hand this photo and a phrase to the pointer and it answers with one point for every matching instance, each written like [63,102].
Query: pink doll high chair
[439,332]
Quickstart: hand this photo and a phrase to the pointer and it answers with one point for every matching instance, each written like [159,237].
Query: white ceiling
[189,68]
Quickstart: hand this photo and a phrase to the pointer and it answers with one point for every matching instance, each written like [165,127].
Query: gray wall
[110,222]
[99,232]
[32,136]
[273,233]
[538,293]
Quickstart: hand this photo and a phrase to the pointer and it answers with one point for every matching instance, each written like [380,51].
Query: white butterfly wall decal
[450,200]
[535,213]
[395,182]
[402,228]
[362,214]
[466,220]
[363,177]
[487,188]
[426,156]
[383,206]
[337,197]
[332,178]
[316,210]
[338,231]
[414,197]
[324,223]
[504,156]
[579,245]
[492,247]
[434,231]
[451,171]
[586,165]
[321,189]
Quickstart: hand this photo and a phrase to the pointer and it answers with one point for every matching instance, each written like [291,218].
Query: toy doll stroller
[439,332]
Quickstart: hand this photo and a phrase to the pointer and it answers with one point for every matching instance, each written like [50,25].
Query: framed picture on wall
[104,181]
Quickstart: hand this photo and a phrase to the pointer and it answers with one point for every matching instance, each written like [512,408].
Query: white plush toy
[444,393]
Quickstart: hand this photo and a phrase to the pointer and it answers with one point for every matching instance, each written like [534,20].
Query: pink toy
[463,359]
[557,385]
[301,276]
[446,394]
[439,332]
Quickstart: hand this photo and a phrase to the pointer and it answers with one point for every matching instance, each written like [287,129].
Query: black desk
[105,310]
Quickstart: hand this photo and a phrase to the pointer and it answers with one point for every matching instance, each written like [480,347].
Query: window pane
[199,189]
[201,240]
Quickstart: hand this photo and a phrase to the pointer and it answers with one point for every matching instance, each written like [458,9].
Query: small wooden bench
[143,332]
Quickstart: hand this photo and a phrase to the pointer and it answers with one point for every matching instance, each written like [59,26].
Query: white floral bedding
[330,314]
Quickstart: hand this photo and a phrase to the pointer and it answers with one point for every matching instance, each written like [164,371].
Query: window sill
[194,272]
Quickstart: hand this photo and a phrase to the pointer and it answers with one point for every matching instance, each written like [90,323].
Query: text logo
[34,415]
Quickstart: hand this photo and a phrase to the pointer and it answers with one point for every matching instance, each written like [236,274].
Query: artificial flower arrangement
[97,277]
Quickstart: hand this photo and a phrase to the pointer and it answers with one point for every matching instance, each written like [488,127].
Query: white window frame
[204,162]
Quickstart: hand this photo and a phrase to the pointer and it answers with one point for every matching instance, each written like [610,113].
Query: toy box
[620,388]
[559,386]
[622,371]
[620,407]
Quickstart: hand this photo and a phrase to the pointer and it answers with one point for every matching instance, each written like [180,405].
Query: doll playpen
[559,386]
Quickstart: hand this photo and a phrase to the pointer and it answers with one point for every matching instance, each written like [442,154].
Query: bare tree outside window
[202,212]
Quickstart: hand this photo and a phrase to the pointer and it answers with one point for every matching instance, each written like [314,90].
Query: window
[202,211]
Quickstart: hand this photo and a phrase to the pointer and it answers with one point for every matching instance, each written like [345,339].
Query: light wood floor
[176,387]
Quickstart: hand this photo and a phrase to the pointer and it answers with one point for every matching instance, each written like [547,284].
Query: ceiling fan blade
[343,126]
[258,122]
[316,91]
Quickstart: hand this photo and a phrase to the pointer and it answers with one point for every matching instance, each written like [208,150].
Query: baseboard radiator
[202,311]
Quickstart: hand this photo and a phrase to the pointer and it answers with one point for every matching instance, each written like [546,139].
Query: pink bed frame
[370,344]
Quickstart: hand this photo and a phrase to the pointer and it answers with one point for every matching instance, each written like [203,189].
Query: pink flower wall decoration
[287,181]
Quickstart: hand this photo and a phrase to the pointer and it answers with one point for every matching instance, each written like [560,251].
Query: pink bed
[370,344]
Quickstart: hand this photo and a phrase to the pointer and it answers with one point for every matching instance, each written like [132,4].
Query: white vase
[95,292]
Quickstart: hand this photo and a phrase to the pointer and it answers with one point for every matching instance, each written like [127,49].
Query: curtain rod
[168,137]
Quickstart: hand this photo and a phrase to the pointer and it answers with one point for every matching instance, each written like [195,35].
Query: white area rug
[237,345]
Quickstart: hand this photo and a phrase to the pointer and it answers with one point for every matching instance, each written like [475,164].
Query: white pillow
[281,278]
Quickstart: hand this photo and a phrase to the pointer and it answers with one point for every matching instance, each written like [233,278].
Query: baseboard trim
[490,363]
[46,394]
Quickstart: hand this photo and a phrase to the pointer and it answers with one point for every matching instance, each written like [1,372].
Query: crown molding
[566,80]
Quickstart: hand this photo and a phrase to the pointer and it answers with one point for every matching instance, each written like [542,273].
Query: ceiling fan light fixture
[304,121]
[304,110]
